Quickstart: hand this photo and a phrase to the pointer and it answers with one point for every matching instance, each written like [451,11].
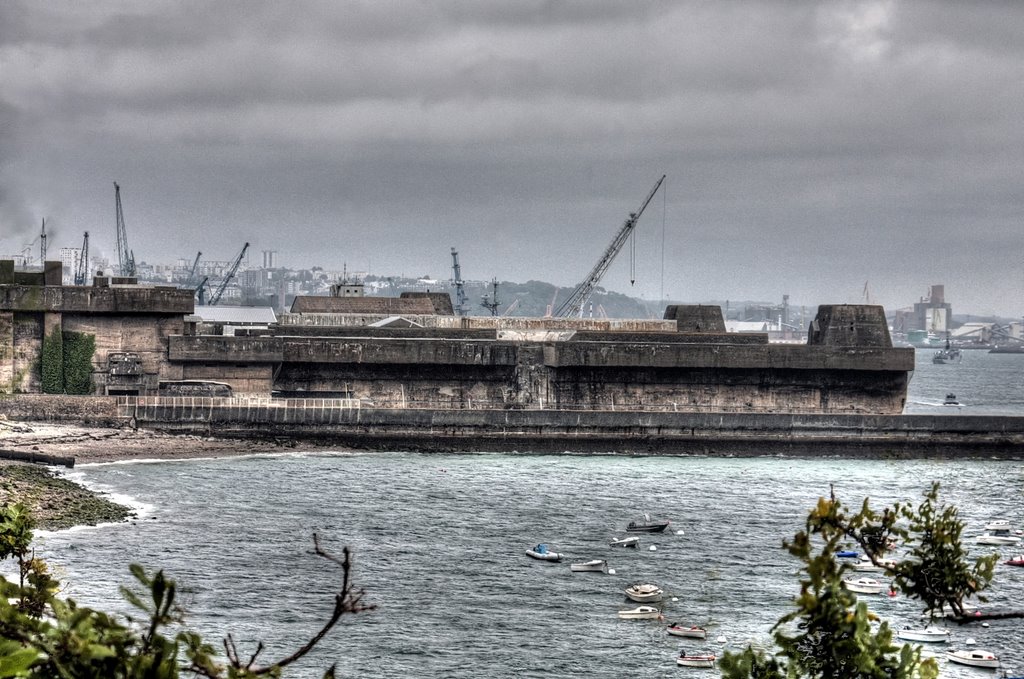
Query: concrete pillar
[850,325]
[696,317]
[6,352]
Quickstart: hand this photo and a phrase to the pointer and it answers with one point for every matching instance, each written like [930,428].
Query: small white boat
[677,630]
[998,524]
[997,538]
[687,660]
[865,565]
[593,566]
[632,541]
[864,585]
[644,592]
[542,553]
[927,635]
[973,658]
[640,613]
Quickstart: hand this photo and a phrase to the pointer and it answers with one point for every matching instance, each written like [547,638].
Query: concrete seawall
[342,421]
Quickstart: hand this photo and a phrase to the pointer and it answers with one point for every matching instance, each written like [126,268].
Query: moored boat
[863,585]
[998,524]
[694,632]
[928,634]
[647,526]
[847,554]
[1015,560]
[640,613]
[542,553]
[644,592]
[593,566]
[687,660]
[632,541]
[976,658]
[997,538]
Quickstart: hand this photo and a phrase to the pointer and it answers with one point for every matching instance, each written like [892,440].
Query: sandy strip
[109,445]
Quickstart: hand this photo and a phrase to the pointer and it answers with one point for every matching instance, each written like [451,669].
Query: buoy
[611,571]
[675,598]
[679,532]
[653,548]
[984,624]
[721,639]
[970,642]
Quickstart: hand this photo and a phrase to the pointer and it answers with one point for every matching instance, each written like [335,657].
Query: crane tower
[82,262]
[460,290]
[125,257]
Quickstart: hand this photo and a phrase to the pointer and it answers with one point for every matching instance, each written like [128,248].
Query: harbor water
[439,546]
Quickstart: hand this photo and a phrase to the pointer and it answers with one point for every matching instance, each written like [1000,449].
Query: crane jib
[578,299]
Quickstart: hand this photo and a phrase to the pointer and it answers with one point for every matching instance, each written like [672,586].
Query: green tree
[829,633]
[44,636]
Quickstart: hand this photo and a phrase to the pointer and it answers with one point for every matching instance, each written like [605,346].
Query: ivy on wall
[52,363]
[78,351]
[66,363]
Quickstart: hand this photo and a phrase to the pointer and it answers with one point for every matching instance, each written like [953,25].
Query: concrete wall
[145,335]
[345,423]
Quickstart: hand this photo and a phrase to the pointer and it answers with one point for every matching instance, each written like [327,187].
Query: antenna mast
[491,302]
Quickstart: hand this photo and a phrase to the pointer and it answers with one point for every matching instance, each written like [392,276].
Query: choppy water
[439,546]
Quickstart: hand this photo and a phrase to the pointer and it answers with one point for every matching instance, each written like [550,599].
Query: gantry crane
[227,279]
[82,262]
[125,257]
[579,297]
[460,289]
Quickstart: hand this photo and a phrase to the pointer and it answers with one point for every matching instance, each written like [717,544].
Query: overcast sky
[809,147]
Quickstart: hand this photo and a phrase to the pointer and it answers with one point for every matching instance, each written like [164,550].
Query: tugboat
[949,354]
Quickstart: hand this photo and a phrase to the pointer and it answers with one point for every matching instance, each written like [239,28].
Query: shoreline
[97,444]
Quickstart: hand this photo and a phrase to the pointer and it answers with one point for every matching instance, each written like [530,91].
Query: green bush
[78,352]
[52,364]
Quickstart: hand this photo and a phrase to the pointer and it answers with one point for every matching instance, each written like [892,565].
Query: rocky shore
[55,502]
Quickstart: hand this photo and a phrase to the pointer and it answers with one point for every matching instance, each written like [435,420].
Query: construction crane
[579,297]
[460,290]
[227,279]
[192,273]
[125,257]
[82,261]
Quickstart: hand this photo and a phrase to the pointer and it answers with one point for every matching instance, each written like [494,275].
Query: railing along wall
[237,409]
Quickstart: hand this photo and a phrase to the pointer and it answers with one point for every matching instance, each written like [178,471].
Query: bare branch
[347,600]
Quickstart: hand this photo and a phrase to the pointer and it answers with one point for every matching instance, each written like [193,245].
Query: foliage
[830,634]
[43,636]
[78,352]
[52,363]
